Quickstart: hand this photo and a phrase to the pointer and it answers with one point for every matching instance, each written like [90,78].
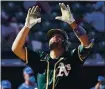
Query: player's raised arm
[77,29]
[68,18]
[31,19]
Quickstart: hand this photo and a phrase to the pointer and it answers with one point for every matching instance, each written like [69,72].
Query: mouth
[54,42]
[53,45]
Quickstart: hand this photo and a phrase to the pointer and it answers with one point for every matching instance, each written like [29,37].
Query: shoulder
[71,52]
[35,53]
[21,86]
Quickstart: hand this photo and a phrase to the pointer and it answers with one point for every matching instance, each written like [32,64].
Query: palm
[32,16]
[66,14]
[32,20]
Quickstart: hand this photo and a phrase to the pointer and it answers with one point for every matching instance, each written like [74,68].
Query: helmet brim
[51,32]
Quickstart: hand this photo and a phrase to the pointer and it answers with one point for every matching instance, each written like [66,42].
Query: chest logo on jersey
[63,69]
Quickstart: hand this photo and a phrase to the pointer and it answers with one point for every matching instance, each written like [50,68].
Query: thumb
[38,20]
[58,17]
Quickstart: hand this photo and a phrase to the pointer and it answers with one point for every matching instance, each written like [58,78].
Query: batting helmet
[66,41]
[6,84]
[28,70]
[101,78]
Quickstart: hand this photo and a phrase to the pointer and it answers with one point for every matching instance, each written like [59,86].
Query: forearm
[81,34]
[97,86]
[20,39]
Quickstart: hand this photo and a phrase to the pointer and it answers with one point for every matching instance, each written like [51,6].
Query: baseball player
[101,83]
[59,68]
[5,84]
[30,82]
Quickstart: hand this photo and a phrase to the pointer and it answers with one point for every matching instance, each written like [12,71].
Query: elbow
[14,48]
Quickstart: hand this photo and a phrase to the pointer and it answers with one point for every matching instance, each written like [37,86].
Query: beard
[53,45]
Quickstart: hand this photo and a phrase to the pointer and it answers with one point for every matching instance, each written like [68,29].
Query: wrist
[73,25]
[71,19]
[26,26]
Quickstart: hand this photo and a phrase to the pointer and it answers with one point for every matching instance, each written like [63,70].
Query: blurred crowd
[29,80]
[100,83]
[90,15]
[6,84]
[31,83]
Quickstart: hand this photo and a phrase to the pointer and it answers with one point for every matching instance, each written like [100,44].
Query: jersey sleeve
[81,53]
[20,87]
[34,60]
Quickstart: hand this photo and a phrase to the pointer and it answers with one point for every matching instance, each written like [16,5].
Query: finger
[58,17]
[68,8]
[29,11]
[39,20]
[37,9]
[32,9]
[63,6]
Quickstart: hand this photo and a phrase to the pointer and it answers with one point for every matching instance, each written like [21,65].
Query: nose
[55,36]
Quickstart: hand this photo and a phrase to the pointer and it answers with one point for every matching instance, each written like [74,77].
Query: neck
[29,83]
[55,53]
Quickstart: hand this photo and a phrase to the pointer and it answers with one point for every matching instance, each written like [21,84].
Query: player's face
[26,76]
[56,40]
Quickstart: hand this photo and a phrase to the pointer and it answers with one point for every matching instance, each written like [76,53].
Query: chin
[55,45]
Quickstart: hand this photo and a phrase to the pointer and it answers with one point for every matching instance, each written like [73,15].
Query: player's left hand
[66,14]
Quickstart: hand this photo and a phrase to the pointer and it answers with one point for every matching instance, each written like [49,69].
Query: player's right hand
[33,17]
